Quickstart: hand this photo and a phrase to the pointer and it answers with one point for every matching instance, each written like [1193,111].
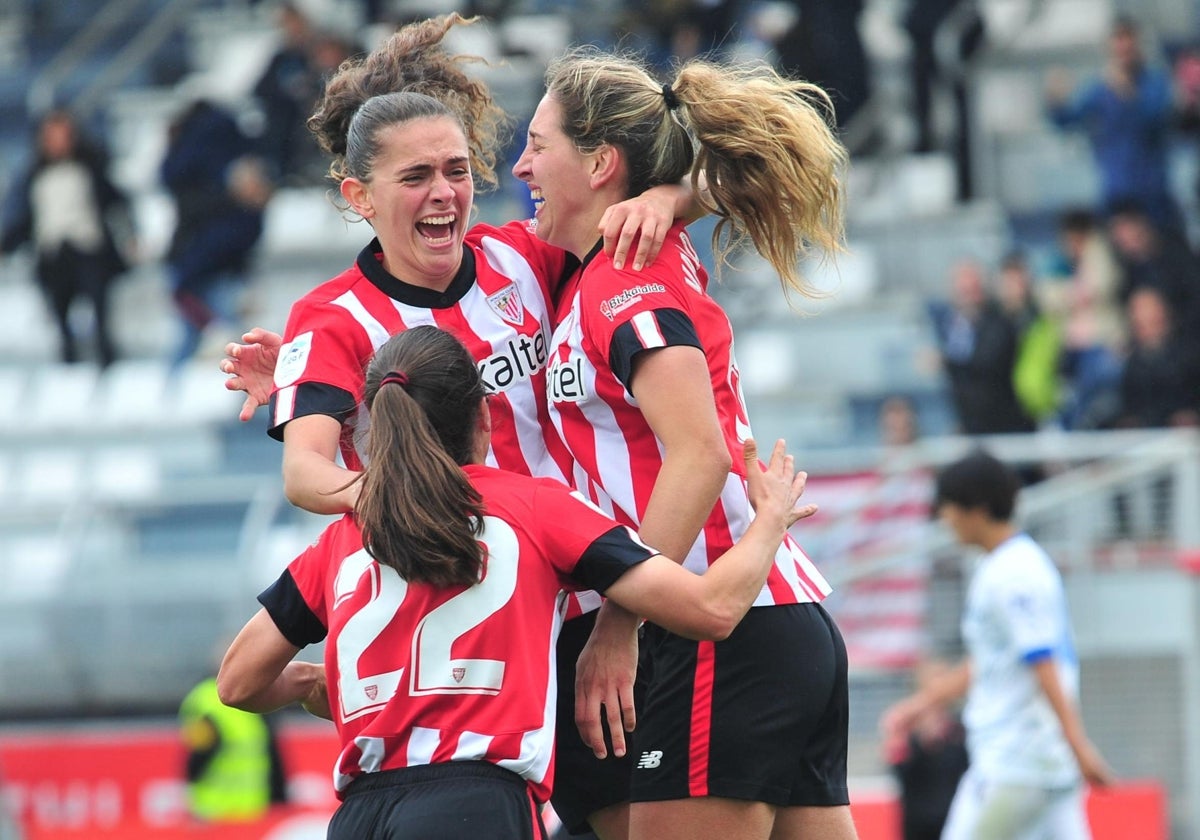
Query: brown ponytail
[417,510]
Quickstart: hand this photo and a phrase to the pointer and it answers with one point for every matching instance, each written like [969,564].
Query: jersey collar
[419,296]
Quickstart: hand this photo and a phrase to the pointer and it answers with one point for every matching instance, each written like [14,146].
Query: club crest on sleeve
[458,674]
[372,691]
[293,359]
[507,304]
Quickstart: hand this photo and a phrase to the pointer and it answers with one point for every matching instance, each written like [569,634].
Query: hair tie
[669,96]
[396,377]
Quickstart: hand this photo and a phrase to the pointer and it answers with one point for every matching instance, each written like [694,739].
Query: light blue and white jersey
[1016,615]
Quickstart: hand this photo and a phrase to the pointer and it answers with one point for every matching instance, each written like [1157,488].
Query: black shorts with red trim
[762,715]
[457,800]
[583,784]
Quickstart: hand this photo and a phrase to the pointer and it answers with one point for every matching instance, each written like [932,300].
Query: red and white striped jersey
[498,305]
[419,674]
[607,317]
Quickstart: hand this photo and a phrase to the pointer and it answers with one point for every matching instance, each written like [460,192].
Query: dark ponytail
[417,510]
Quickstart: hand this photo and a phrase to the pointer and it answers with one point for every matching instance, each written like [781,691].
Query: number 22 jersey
[419,674]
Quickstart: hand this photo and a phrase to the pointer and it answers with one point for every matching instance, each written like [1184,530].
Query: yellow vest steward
[236,783]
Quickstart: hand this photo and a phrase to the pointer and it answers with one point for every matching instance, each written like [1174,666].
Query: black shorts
[760,716]
[583,783]
[458,800]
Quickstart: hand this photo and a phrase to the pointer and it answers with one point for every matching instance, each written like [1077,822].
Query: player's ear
[358,197]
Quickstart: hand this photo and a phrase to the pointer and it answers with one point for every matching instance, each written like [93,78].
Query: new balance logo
[650,760]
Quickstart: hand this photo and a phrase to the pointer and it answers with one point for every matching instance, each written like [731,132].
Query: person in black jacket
[68,209]
[978,347]
[221,188]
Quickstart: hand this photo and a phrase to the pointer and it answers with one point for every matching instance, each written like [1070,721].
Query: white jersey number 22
[434,669]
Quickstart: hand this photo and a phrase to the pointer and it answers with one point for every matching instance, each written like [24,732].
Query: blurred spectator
[1083,298]
[288,89]
[928,763]
[1160,386]
[68,208]
[220,190]
[1035,370]
[978,348]
[898,425]
[1162,259]
[925,21]
[234,772]
[700,27]
[1127,113]
[1186,72]
[824,47]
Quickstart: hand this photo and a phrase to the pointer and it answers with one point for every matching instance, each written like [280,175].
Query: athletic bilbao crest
[507,303]
[458,674]
[372,691]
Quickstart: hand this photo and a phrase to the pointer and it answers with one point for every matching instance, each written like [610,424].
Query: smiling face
[418,199]
[560,181]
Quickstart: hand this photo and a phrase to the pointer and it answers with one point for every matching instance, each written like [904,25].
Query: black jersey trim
[316,398]
[677,330]
[609,556]
[419,296]
[288,609]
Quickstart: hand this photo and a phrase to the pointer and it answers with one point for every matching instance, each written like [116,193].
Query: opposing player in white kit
[441,601]
[1028,749]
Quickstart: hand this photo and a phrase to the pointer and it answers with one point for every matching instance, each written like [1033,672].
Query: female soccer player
[440,601]
[406,164]
[745,737]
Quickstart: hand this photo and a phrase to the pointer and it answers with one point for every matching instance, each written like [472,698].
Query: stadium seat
[59,397]
[125,474]
[131,395]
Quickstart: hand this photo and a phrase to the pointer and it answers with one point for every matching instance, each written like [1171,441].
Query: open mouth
[538,199]
[438,230]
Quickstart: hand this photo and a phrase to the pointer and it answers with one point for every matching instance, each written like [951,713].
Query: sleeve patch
[293,360]
[613,306]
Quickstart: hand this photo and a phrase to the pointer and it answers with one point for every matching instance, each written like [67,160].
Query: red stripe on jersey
[701,727]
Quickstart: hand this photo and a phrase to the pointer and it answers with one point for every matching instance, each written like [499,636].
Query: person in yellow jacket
[233,768]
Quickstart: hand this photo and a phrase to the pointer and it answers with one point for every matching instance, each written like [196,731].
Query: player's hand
[776,489]
[647,218]
[1092,766]
[316,702]
[898,719]
[251,368]
[604,677]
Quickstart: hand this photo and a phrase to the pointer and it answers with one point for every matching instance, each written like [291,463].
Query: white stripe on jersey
[472,746]
[645,324]
[422,744]
[537,744]
[526,402]
[372,753]
[376,331]
[285,404]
